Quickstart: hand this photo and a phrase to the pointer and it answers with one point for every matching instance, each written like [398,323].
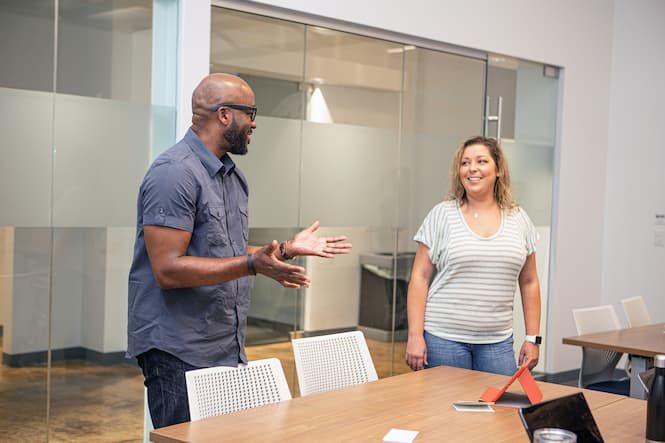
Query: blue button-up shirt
[189,188]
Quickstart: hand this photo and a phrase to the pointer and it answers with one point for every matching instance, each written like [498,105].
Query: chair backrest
[597,365]
[636,312]
[223,389]
[332,361]
[596,319]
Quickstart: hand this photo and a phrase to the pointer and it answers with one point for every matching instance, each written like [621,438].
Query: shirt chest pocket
[217,226]
[244,219]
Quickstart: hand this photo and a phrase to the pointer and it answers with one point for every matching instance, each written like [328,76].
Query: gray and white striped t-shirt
[471,296]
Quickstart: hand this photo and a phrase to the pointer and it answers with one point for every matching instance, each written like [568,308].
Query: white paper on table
[472,406]
[399,436]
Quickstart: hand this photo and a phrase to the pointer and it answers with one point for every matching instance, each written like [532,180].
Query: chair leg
[639,364]
[147,420]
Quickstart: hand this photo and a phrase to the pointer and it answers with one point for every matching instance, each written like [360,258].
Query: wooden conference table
[419,401]
[642,343]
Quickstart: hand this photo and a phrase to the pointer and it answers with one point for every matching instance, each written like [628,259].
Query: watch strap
[250,264]
[535,339]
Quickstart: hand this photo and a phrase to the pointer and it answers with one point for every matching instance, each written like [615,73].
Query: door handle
[493,118]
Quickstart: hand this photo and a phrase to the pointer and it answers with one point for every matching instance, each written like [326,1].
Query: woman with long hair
[473,250]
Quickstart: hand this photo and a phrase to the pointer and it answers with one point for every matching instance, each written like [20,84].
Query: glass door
[349,182]
[269,54]
[358,133]
[443,101]
[522,102]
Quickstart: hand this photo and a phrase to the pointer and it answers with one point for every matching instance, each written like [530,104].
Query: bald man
[188,284]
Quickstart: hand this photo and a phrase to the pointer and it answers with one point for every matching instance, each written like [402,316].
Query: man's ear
[223,116]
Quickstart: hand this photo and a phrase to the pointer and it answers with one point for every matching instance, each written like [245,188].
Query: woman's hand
[416,353]
[529,351]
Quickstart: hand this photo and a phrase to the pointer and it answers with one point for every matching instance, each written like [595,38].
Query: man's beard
[237,139]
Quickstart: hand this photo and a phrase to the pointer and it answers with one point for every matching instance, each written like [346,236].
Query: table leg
[638,364]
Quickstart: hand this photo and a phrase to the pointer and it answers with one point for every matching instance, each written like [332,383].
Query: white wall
[119,248]
[193,56]
[332,301]
[90,315]
[552,32]
[282,159]
[443,105]
[635,179]
[6,279]
[95,58]
[103,151]
[89,306]
[25,171]
[27,328]
[20,35]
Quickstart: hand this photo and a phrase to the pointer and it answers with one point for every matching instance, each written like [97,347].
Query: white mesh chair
[636,312]
[597,371]
[332,361]
[147,420]
[224,389]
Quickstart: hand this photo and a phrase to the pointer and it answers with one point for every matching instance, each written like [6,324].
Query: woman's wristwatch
[535,339]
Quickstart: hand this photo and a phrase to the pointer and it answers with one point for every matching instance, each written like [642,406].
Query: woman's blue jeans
[498,358]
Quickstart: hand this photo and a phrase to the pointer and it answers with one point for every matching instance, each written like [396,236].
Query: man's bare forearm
[190,272]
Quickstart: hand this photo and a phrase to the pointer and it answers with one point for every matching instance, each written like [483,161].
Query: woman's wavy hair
[502,193]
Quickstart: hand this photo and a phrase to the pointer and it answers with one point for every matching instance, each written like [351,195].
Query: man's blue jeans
[164,376]
[498,358]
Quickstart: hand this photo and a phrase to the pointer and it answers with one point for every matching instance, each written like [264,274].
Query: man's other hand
[266,263]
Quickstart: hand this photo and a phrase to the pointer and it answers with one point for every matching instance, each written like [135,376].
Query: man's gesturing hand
[266,263]
[306,242]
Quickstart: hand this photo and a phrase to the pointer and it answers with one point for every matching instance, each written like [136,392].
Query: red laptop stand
[523,375]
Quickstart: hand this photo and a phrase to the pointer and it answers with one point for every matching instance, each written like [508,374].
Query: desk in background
[642,343]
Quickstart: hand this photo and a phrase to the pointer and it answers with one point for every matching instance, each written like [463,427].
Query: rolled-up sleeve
[169,193]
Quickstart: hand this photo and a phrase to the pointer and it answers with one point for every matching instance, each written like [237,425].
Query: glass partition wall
[26,106]
[269,54]
[522,97]
[78,114]
[442,106]
[358,133]
[350,154]
[102,146]
[355,132]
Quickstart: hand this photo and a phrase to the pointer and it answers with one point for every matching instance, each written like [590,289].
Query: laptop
[571,413]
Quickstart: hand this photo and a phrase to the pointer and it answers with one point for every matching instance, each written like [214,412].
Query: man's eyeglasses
[251,109]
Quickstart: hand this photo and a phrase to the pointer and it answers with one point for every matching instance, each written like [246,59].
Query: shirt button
[161,210]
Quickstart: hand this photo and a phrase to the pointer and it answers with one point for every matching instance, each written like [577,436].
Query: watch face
[535,339]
